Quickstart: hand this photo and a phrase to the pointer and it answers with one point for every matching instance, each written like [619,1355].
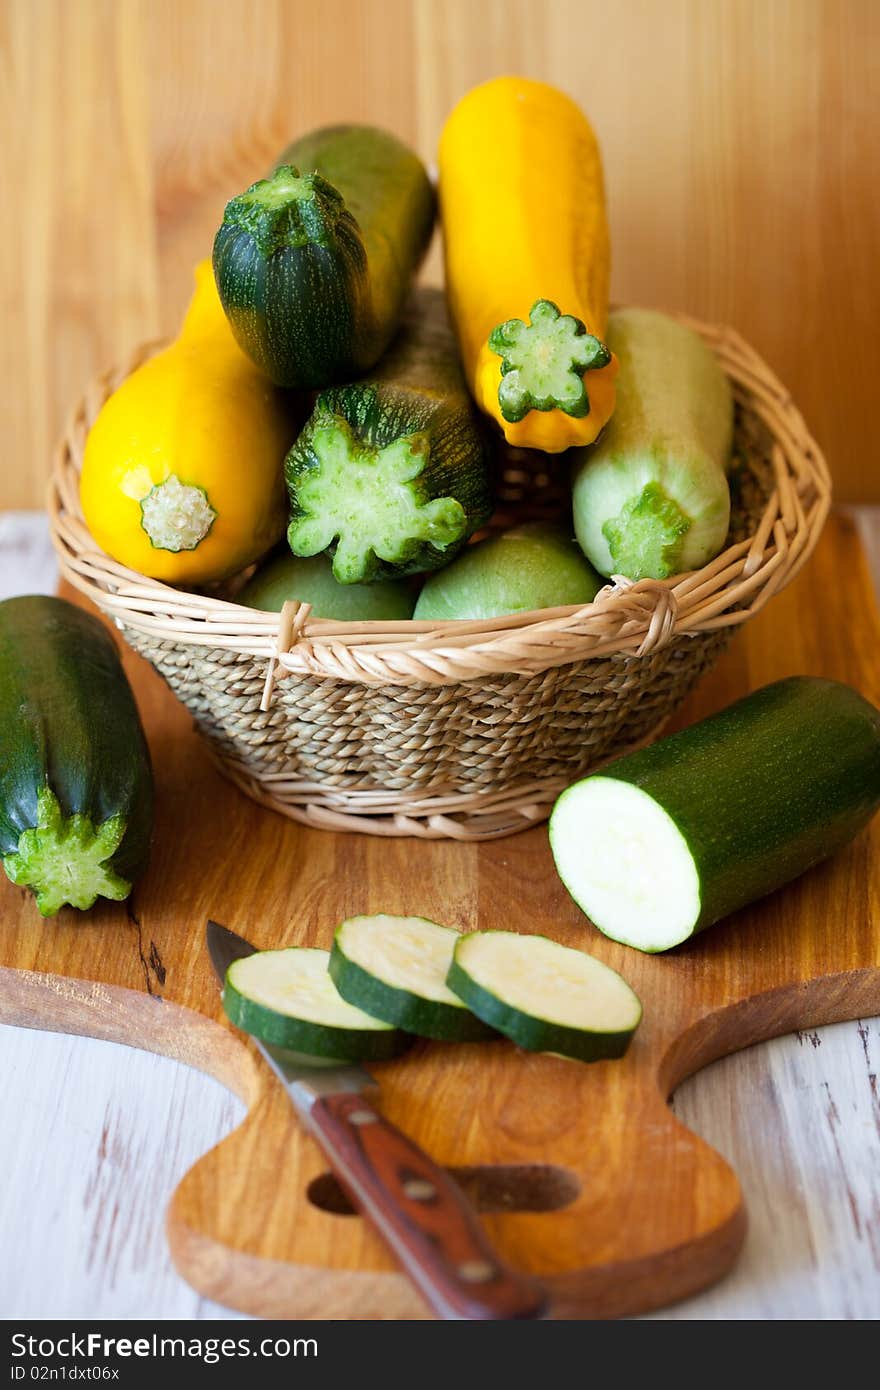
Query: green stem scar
[645,539]
[63,859]
[369,501]
[543,362]
[288,209]
[176,516]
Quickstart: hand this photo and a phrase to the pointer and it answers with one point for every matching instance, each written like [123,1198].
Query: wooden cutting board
[582,1172]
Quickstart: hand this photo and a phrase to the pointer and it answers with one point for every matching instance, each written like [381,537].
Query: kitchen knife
[421,1214]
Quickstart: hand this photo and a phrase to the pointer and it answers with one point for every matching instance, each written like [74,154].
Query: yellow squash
[182,475]
[527,261]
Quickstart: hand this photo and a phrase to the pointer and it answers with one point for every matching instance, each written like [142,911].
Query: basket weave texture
[466,730]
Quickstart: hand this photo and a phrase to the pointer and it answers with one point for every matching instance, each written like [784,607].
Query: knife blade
[416,1207]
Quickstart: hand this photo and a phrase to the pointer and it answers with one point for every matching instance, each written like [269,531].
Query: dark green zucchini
[666,841]
[76,788]
[391,474]
[313,264]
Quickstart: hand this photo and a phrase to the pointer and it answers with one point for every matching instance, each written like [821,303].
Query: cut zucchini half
[632,872]
[543,996]
[395,968]
[287,998]
[672,838]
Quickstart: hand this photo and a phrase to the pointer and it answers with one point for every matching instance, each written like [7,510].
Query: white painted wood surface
[95,1138]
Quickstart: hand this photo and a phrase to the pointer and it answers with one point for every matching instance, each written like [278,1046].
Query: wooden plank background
[741,143]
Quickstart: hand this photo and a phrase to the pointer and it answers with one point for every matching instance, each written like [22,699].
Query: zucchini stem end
[543,362]
[176,516]
[367,503]
[646,537]
[64,859]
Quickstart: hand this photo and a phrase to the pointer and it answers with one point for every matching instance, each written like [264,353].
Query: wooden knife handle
[421,1213]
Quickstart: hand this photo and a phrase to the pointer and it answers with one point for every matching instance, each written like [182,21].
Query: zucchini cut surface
[287,998]
[395,968]
[626,863]
[544,996]
[676,836]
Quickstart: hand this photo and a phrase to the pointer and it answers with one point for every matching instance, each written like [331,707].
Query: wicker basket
[468,729]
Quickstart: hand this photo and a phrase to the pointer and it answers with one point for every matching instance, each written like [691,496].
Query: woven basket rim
[625,618]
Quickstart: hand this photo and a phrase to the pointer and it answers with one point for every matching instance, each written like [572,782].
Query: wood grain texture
[795,1117]
[800,1120]
[419,1211]
[739,137]
[657,1213]
[81,1214]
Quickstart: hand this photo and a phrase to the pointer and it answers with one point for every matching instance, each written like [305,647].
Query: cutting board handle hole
[490,1187]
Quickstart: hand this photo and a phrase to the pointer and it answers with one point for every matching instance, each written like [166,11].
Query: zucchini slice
[395,968]
[543,996]
[287,998]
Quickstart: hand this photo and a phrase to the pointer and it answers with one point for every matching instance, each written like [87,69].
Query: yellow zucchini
[528,261]
[182,476]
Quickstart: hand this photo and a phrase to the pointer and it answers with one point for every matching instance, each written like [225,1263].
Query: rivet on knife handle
[421,1213]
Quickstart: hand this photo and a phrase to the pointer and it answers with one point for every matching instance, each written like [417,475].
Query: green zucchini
[665,841]
[651,498]
[314,264]
[287,999]
[391,474]
[311,581]
[76,787]
[531,566]
[544,996]
[395,968]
